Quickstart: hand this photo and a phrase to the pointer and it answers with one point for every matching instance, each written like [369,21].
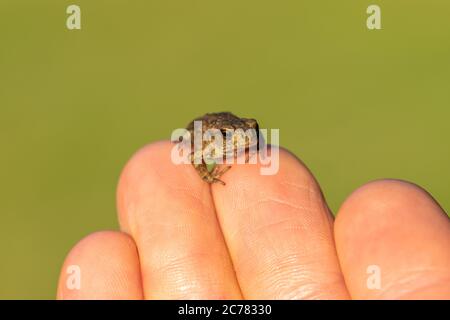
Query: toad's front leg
[210,176]
[217,172]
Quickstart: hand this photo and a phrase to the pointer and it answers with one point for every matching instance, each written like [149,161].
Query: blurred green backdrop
[354,104]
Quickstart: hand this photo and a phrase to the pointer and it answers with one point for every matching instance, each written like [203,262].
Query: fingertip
[399,228]
[103,265]
[380,198]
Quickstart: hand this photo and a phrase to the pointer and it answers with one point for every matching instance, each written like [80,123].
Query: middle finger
[279,233]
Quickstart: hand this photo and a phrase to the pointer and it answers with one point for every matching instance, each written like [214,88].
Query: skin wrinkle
[184,286]
[312,198]
[291,270]
[238,189]
[182,229]
[144,214]
[285,203]
[248,229]
[259,229]
[173,260]
[200,207]
[298,186]
[174,271]
[278,266]
[324,236]
[275,274]
[413,277]
[185,230]
[334,277]
[267,198]
[119,279]
[195,196]
[400,293]
[311,289]
[306,222]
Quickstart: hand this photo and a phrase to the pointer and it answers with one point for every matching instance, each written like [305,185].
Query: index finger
[169,212]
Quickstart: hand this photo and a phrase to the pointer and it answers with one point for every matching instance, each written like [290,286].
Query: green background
[353,104]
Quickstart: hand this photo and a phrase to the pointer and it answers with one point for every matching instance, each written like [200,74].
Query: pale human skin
[260,237]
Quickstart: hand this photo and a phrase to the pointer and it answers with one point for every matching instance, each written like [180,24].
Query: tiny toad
[227,123]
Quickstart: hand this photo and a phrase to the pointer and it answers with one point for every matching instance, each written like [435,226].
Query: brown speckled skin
[221,121]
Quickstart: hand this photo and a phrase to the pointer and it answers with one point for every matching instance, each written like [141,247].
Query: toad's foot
[214,175]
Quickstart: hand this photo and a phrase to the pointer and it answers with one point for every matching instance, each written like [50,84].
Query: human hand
[260,237]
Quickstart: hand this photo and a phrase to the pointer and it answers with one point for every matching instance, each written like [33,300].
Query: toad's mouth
[229,151]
